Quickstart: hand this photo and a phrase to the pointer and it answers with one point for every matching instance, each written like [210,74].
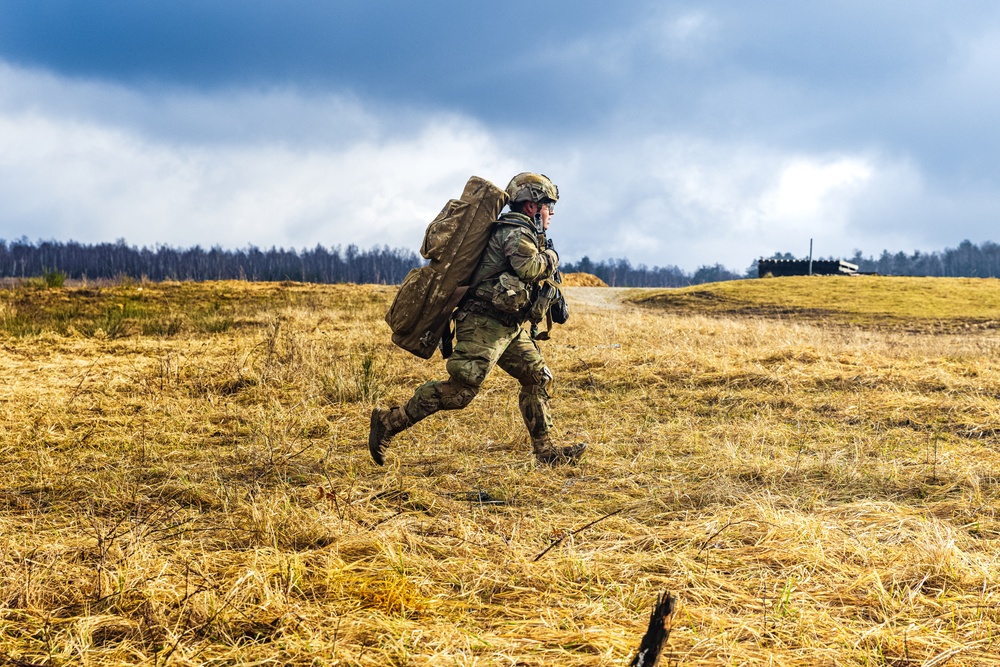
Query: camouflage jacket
[513,248]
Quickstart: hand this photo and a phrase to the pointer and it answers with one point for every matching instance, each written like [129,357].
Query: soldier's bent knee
[458,395]
[543,378]
[540,389]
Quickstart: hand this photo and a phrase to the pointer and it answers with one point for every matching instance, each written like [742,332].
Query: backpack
[454,243]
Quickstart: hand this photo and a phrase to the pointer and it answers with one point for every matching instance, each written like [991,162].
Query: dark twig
[4,658]
[655,639]
[730,525]
[578,530]
[590,374]
[376,524]
[86,374]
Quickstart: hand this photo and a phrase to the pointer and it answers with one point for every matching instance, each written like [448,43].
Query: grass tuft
[362,377]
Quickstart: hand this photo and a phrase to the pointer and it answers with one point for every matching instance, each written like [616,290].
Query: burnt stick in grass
[653,642]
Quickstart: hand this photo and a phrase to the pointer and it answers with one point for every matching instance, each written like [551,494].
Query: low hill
[949,303]
[583,280]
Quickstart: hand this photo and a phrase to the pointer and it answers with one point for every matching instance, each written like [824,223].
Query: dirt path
[597,297]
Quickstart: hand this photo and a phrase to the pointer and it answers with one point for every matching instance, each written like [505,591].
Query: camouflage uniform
[485,337]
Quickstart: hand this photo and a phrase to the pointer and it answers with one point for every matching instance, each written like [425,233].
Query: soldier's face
[545,210]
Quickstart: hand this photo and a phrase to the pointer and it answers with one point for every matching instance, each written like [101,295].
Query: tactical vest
[495,265]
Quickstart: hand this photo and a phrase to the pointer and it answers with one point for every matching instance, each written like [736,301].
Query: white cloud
[690,201]
[281,115]
[685,35]
[66,173]
[813,192]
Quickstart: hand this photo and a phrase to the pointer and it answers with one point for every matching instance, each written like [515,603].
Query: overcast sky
[683,133]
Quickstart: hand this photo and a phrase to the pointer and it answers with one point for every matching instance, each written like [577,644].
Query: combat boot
[549,453]
[384,425]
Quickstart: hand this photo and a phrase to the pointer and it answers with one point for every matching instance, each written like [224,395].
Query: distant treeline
[24,259]
[968,260]
[19,259]
[621,273]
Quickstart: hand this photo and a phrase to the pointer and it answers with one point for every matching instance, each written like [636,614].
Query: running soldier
[488,328]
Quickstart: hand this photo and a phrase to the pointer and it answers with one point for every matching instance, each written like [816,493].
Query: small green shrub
[53,278]
[162,326]
[213,324]
[117,319]
[19,326]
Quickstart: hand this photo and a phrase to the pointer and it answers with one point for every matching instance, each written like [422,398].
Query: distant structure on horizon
[804,267]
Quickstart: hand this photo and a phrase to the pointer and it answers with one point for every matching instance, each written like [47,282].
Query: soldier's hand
[550,247]
[553,258]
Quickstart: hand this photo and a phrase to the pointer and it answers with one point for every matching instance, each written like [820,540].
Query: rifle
[550,304]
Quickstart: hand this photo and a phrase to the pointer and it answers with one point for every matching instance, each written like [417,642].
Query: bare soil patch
[598,297]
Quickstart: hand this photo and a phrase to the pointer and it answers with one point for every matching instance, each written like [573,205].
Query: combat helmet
[528,186]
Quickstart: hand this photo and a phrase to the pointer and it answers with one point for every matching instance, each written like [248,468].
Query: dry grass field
[811,466]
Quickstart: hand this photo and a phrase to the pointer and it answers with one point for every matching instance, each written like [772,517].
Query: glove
[553,258]
[550,248]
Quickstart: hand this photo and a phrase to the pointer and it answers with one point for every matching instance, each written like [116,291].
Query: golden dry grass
[185,482]
[897,302]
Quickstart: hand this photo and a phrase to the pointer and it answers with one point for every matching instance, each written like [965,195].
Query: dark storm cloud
[814,75]
[459,55]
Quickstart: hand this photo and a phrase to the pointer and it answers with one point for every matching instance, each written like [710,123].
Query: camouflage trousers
[482,343]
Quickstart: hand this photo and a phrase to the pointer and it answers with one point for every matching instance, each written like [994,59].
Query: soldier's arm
[529,263]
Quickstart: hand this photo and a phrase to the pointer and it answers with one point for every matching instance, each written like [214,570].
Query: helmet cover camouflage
[528,186]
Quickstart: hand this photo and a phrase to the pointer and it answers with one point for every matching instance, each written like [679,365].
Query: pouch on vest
[510,294]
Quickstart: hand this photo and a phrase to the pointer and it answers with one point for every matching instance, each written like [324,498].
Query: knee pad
[457,395]
[542,382]
[543,378]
